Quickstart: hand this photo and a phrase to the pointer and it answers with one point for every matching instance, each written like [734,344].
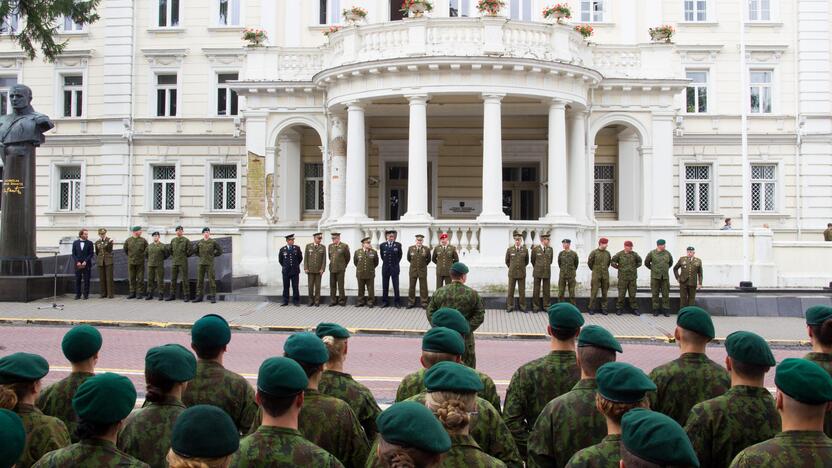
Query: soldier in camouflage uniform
[688,272]
[13,437]
[339,258]
[365,260]
[418,256]
[568,265]
[206,249]
[214,384]
[721,427]
[827,234]
[410,436]
[464,299]
[819,323]
[147,432]
[627,263]
[536,383]
[314,263]
[659,261]
[180,249]
[599,262]
[80,346]
[651,439]
[804,391]
[203,436]
[157,252]
[136,250]
[104,261]
[541,258]
[571,421]
[517,257]
[693,377]
[444,256]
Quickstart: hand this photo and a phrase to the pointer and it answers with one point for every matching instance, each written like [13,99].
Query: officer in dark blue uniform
[391,256]
[290,258]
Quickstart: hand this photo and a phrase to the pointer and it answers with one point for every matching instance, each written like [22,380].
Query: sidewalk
[270,316]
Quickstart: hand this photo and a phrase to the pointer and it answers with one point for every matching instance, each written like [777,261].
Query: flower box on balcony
[559,12]
[662,33]
[416,8]
[490,7]
[354,15]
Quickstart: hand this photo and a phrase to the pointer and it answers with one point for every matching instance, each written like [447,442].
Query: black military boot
[666,312]
[149,297]
[186,297]
[139,296]
[213,298]
[171,297]
[161,296]
[618,311]
[131,296]
[197,299]
[604,312]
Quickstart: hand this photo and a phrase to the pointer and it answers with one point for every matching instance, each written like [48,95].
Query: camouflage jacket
[659,263]
[147,432]
[534,385]
[215,385]
[567,424]
[180,249]
[464,299]
[136,250]
[414,384]
[156,254]
[90,453]
[721,427]
[56,400]
[281,447]
[627,264]
[206,250]
[466,453]
[684,382]
[359,397]
[568,264]
[330,424]
[43,434]
[542,258]
[792,449]
[599,262]
[516,260]
[824,360]
[604,454]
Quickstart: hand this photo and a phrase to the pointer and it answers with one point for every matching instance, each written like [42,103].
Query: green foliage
[39,21]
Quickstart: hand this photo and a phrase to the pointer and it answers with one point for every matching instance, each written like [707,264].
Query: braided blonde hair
[336,348]
[177,461]
[8,397]
[452,409]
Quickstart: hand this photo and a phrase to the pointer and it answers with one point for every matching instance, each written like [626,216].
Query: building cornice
[699,139]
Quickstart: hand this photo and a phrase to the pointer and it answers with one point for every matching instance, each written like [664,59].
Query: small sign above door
[462,207]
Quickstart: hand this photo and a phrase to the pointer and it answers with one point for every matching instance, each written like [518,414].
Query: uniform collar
[465,441]
[168,401]
[25,408]
[823,357]
[585,384]
[748,390]
[274,430]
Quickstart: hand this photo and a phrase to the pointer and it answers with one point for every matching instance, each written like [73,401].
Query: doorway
[521,191]
[396,190]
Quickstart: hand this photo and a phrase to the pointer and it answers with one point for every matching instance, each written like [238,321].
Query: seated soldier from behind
[819,328]
[411,437]
[13,438]
[203,436]
[653,440]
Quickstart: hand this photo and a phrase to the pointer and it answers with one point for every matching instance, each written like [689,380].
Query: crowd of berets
[576,406]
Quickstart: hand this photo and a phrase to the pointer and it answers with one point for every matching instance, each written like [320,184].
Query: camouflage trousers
[627,287]
[520,283]
[314,280]
[423,290]
[201,272]
[175,272]
[336,288]
[370,298]
[660,286]
[156,279]
[541,284]
[105,280]
[602,283]
[563,285]
[442,280]
[135,277]
[687,294]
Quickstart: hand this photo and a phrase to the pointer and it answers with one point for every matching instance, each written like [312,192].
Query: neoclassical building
[473,125]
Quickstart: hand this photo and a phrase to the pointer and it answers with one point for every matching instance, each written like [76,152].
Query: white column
[629,175]
[289,176]
[661,182]
[417,161]
[337,168]
[356,189]
[577,167]
[492,160]
[557,180]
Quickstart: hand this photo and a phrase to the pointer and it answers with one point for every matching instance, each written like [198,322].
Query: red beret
[443,236]
[603,240]
[628,243]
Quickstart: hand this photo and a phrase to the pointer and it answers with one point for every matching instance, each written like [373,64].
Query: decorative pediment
[12,60]
[764,54]
[165,57]
[225,56]
[73,58]
[692,54]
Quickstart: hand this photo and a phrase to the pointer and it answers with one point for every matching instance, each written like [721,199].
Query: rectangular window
[760,91]
[166,95]
[69,188]
[604,188]
[763,187]
[6,83]
[227,99]
[9,24]
[698,188]
[73,95]
[459,8]
[68,25]
[313,187]
[759,10]
[696,10]
[228,12]
[168,13]
[224,187]
[521,10]
[163,188]
[592,11]
[697,91]
[329,12]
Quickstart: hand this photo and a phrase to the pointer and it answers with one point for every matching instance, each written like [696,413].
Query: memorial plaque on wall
[462,207]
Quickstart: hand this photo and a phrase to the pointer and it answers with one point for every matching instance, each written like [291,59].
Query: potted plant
[332,30]
[662,33]
[354,14]
[585,30]
[559,12]
[490,7]
[416,8]
[254,36]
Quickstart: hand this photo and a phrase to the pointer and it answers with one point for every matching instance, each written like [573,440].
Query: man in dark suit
[391,255]
[290,258]
[82,252]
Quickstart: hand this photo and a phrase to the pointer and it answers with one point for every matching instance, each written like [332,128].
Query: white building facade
[455,122]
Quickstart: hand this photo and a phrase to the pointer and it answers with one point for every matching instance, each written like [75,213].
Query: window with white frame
[520,10]
[69,188]
[459,8]
[227,99]
[9,24]
[313,187]
[168,13]
[697,188]
[763,187]
[329,11]
[604,188]
[760,96]
[228,12]
[592,11]
[697,91]
[166,95]
[163,187]
[224,187]
[68,25]
[6,83]
[73,95]
[759,10]
[696,10]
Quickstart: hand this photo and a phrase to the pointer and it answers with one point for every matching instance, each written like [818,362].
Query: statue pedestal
[28,288]
[20,266]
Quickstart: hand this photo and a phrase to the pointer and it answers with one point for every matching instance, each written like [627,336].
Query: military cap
[517,235]
[366,239]
[136,228]
[104,398]
[623,383]
[628,243]
[290,237]
[656,438]
[179,228]
[749,348]
[331,329]
[565,315]
[102,231]
[171,361]
[460,268]
[336,234]
[13,438]
[690,248]
[318,234]
[804,380]
[566,241]
[603,240]
[817,314]
[22,367]
[281,377]
[661,242]
[306,347]
[545,236]
[443,340]
[411,424]
[696,319]
[452,377]
[206,229]
[444,235]
[81,342]
[204,431]
[387,233]
[211,331]
[450,318]
[155,233]
[598,336]
[420,236]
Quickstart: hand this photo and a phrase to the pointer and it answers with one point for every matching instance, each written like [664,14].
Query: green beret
[696,319]
[281,377]
[331,329]
[22,367]
[171,361]
[411,424]
[204,431]
[450,318]
[661,242]
[749,348]
[599,337]
[13,438]
[104,398]
[443,340]
[817,314]
[211,331]
[460,268]
[206,229]
[623,383]
[565,315]
[136,228]
[452,377]
[81,343]
[804,380]
[656,438]
[306,347]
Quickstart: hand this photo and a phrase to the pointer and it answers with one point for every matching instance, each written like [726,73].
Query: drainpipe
[799,121]
[128,122]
